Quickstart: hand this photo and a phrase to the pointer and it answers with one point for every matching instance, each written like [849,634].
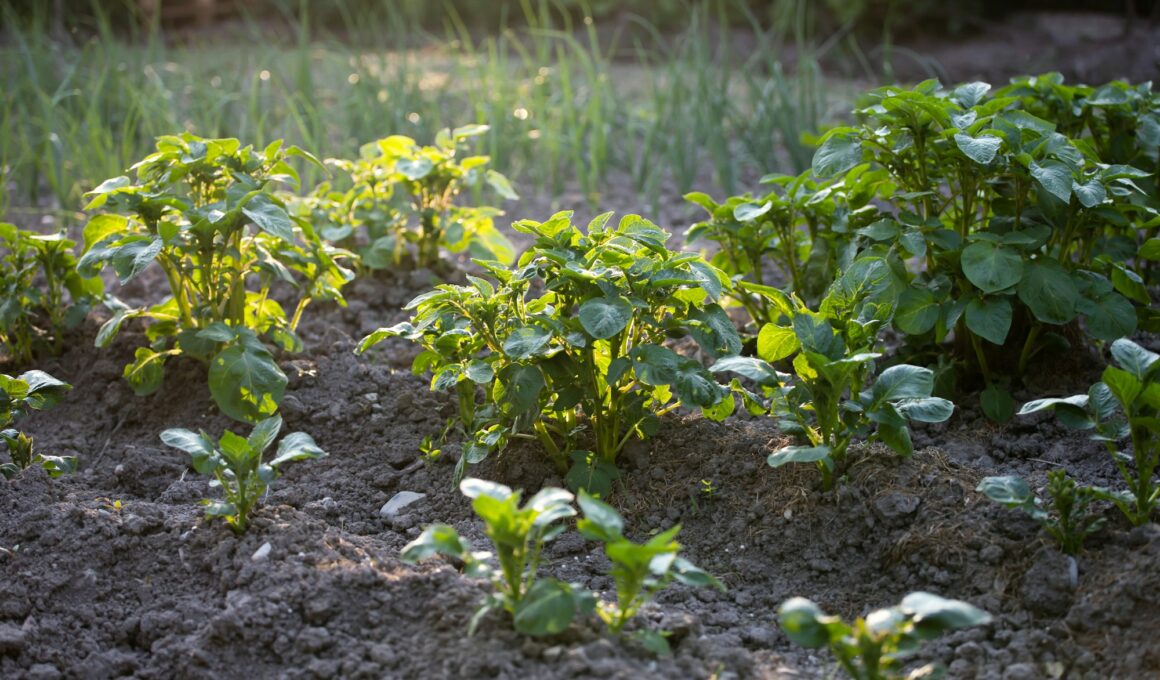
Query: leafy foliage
[640,570]
[538,606]
[41,293]
[1124,405]
[875,647]
[236,464]
[32,390]
[204,210]
[405,195]
[805,226]
[1067,518]
[568,345]
[1020,224]
[826,401]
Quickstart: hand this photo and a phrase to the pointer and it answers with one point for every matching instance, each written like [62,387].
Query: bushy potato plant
[236,464]
[805,226]
[205,211]
[833,395]
[1019,228]
[568,346]
[877,646]
[32,390]
[41,293]
[1123,406]
[1067,515]
[406,198]
[538,606]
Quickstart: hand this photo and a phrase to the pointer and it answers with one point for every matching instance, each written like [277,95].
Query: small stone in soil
[393,507]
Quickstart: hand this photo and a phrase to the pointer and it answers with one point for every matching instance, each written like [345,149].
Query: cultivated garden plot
[895,415]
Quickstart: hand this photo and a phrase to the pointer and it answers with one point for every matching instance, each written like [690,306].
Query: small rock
[1048,586]
[896,507]
[11,639]
[759,636]
[262,553]
[43,671]
[552,654]
[393,507]
[1021,671]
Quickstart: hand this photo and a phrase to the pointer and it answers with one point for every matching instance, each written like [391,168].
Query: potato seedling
[41,293]
[405,195]
[1067,516]
[32,390]
[1124,405]
[518,534]
[640,570]
[236,464]
[826,401]
[204,210]
[568,347]
[875,647]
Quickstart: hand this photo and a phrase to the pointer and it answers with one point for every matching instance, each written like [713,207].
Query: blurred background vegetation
[581,95]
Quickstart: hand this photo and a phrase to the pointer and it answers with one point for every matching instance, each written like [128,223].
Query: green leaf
[245,382]
[902,382]
[804,622]
[837,154]
[270,217]
[998,404]
[754,369]
[546,609]
[1109,317]
[798,454]
[917,311]
[601,522]
[695,386]
[605,317]
[1151,249]
[747,212]
[933,614]
[1077,401]
[527,342]
[437,539]
[775,343]
[522,387]
[1049,292]
[502,186]
[1008,490]
[1054,177]
[992,268]
[1090,194]
[982,150]
[989,318]
[1134,358]
[147,371]
[926,409]
[264,433]
[297,446]
[1123,384]
[655,365]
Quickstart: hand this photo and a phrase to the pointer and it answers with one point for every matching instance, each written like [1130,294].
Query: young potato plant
[1067,517]
[538,606]
[568,346]
[640,570]
[204,210]
[805,226]
[406,197]
[32,390]
[236,464]
[832,396]
[1004,229]
[41,293]
[1124,405]
[877,646]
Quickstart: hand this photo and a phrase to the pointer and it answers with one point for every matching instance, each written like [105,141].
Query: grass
[568,104]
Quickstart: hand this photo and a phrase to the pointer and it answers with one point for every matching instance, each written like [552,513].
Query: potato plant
[237,466]
[41,293]
[1067,515]
[538,606]
[1123,406]
[877,646]
[805,226]
[32,390]
[568,346]
[833,396]
[406,196]
[639,570]
[1019,229]
[204,210]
